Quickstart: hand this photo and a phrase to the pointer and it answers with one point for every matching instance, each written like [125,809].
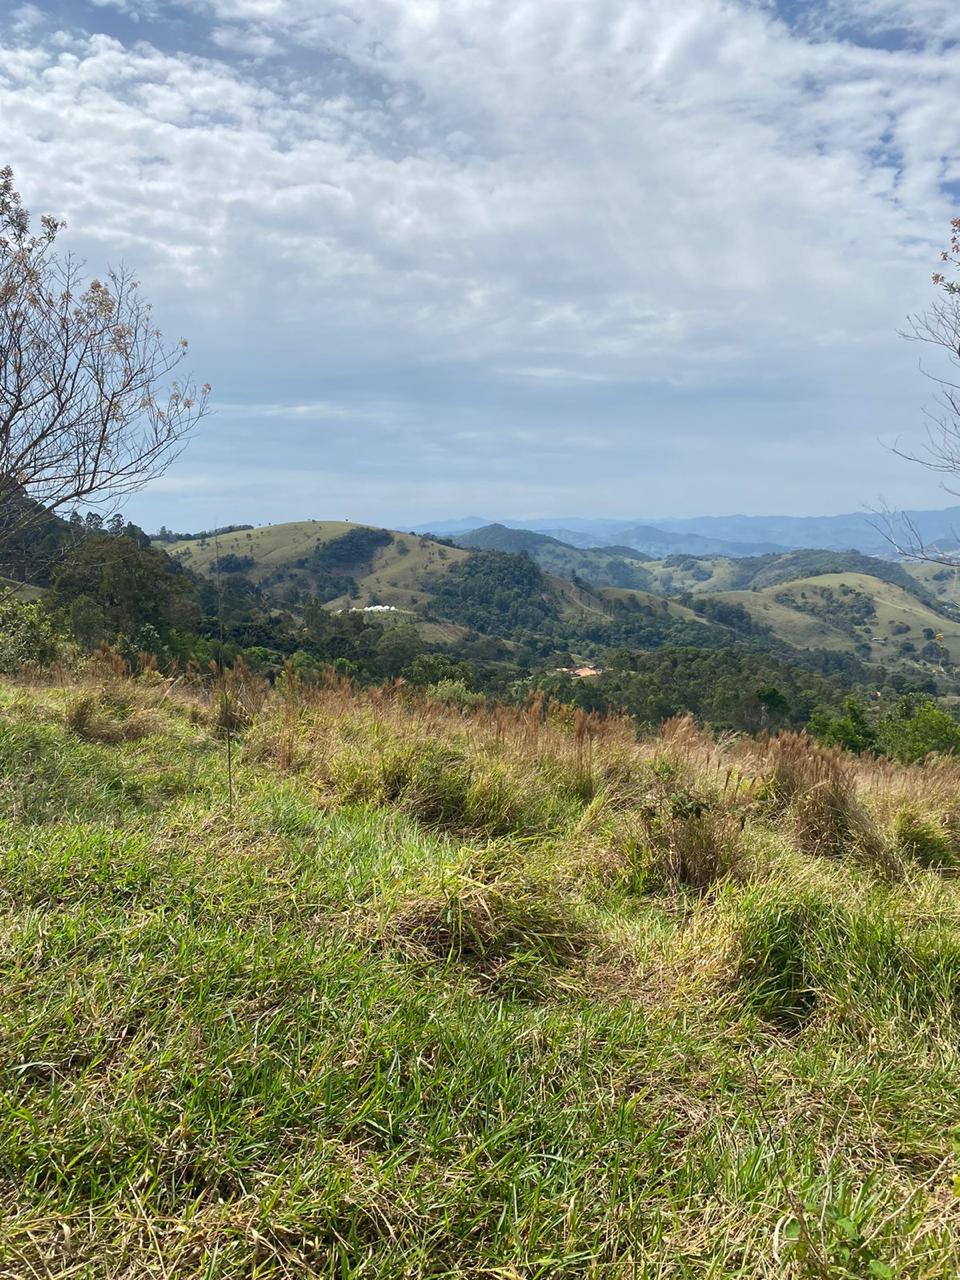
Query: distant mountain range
[735,535]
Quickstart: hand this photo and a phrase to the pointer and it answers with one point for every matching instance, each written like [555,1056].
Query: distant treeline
[167,535]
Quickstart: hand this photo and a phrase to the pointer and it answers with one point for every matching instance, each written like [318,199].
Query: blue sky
[521,257]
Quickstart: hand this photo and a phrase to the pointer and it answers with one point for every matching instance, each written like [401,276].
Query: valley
[585,599]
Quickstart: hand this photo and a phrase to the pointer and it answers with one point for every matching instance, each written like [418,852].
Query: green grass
[395,576]
[894,607]
[441,997]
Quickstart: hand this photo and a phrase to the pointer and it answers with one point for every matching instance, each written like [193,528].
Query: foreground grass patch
[615,1024]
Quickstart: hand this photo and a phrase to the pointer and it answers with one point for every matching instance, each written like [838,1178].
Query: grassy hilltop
[499,994]
[284,555]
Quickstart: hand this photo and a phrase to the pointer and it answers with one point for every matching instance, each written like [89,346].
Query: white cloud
[134,9]
[26,17]
[245,40]
[556,195]
[311,411]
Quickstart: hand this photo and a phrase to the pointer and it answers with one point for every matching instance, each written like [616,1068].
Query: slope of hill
[941,580]
[583,601]
[702,574]
[460,989]
[879,620]
[347,565]
[600,566]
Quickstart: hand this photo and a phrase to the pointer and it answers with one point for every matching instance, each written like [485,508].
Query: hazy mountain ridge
[738,535]
[645,538]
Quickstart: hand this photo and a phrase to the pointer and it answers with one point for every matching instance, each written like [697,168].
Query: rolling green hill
[600,566]
[311,557]
[571,599]
[680,574]
[879,620]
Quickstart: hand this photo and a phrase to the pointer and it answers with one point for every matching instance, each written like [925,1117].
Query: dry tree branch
[938,327]
[91,404]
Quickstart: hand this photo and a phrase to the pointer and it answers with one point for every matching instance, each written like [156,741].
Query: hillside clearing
[799,613]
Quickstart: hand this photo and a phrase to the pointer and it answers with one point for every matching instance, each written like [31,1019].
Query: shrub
[852,730]
[690,841]
[913,736]
[239,695]
[455,694]
[815,788]
[27,634]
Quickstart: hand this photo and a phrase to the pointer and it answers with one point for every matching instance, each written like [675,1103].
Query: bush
[689,841]
[914,734]
[455,694]
[852,730]
[27,634]
[814,788]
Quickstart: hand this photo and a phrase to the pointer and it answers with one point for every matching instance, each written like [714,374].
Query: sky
[627,258]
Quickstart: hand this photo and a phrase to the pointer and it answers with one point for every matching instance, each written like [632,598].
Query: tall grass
[493,992]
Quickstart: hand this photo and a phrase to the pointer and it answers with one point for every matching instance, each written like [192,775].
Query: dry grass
[677,809]
[109,714]
[503,992]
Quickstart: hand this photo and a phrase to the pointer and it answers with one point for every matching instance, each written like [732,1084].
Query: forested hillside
[814,602]
[751,647]
[599,566]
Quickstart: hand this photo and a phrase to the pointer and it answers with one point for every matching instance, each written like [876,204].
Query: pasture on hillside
[506,993]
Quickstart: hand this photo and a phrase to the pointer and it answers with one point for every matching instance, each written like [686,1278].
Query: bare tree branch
[938,327]
[91,407]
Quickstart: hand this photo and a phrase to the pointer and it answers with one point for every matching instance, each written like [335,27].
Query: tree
[90,408]
[918,728]
[132,585]
[939,327]
[87,622]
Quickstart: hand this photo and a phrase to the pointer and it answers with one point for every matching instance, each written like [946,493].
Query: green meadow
[416,992]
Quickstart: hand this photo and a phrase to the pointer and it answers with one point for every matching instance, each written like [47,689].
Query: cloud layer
[522,255]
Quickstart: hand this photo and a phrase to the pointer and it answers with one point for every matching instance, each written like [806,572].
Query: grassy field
[394,577]
[942,580]
[504,995]
[898,616]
